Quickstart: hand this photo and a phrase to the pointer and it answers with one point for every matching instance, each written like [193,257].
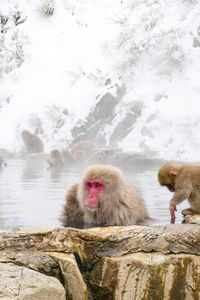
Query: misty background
[122,73]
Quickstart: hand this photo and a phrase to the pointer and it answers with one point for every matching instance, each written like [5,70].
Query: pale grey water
[33,195]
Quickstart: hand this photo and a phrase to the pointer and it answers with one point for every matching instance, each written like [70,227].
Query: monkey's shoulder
[72,215]
[71,196]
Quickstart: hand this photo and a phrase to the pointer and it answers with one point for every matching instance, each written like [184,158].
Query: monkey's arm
[72,215]
[178,198]
[183,191]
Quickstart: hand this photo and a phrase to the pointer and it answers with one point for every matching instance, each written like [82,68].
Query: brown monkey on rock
[103,198]
[184,181]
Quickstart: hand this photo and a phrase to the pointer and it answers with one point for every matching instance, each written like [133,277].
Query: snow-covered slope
[124,73]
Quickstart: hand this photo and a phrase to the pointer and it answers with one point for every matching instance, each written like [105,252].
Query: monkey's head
[100,188]
[26,135]
[80,155]
[167,175]
[55,153]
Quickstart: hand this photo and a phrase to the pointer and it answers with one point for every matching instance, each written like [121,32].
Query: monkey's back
[191,171]
[38,145]
[137,208]
[72,215]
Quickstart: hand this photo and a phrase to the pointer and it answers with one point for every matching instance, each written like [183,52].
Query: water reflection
[33,169]
[31,194]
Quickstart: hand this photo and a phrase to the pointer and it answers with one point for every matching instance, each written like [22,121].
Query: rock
[94,126]
[39,155]
[33,230]
[108,241]
[121,263]
[74,283]
[128,117]
[19,283]
[192,219]
[37,261]
[146,276]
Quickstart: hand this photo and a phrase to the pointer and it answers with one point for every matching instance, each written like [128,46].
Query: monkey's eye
[97,185]
[89,184]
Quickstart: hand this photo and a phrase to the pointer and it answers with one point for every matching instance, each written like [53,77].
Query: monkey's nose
[91,195]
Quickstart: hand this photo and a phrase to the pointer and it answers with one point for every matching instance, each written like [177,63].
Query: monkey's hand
[172,211]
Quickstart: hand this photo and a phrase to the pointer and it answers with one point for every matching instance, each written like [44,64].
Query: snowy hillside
[123,73]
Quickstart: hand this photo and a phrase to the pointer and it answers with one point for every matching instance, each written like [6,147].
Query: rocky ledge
[133,262]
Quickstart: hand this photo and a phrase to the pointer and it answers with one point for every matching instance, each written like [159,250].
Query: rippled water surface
[31,194]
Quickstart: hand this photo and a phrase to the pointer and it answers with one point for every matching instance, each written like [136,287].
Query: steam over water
[33,195]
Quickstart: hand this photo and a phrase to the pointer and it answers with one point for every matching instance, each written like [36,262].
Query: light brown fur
[185,180]
[96,156]
[87,151]
[68,158]
[119,203]
[72,215]
[82,149]
[55,159]
[32,142]
[84,145]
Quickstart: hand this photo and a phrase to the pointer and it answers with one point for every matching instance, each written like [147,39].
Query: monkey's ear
[172,173]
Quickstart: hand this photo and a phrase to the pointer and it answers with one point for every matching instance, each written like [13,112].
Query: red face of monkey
[94,187]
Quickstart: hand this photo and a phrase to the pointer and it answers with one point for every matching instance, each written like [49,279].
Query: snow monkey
[55,159]
[32,142]
[184,181]
[103,198]
[87,151]
[68,158]
[58,159]
[82,149]
[96,156]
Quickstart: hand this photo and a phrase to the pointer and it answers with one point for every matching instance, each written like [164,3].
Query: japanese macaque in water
[68,158]
[87,151]
[184,181]
[55,159]
[32,142]
[58,159]
[97,156]
[82,149]
[103,198]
